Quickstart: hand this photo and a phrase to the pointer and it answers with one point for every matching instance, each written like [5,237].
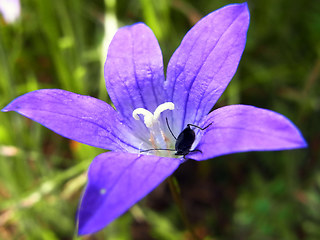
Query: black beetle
[183,142]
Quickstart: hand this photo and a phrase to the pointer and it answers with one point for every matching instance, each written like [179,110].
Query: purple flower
[197,74]
[10,10]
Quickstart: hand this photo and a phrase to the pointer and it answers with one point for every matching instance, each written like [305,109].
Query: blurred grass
[62,44]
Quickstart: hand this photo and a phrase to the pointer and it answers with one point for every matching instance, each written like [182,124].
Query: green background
[258,195]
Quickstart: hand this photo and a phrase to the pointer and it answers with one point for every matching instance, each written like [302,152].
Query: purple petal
[203,65]
[116,181]
[81,118]
[241,128]
[134,72]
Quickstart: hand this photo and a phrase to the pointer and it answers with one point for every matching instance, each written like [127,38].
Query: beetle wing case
[185,141]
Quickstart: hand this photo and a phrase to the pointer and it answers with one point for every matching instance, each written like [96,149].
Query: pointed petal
[116,181]
[134,72]
[203,65]
[81,118]
[241,128]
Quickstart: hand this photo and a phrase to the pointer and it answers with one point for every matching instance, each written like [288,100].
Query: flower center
[157,138]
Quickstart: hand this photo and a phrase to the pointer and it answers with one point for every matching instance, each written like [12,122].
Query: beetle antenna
[199,127]
[155,149]
[170,129]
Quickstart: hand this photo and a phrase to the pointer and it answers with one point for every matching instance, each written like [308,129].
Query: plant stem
[175,191]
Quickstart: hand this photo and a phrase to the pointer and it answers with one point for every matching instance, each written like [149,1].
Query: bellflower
[10,10]
[197,74]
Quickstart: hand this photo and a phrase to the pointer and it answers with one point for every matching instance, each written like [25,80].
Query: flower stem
[175,191]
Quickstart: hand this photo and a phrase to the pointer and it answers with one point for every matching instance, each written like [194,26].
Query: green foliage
[61,44]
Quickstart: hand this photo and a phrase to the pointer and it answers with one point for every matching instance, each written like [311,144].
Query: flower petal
[116,181]
[241,128]
[81,118]
[10,10]
[203,65]
[134,72]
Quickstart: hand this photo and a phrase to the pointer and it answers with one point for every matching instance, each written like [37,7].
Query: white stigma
[161,108]
[149,118]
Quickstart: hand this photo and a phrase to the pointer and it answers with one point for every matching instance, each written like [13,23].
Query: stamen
[148,117]
[161,108]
